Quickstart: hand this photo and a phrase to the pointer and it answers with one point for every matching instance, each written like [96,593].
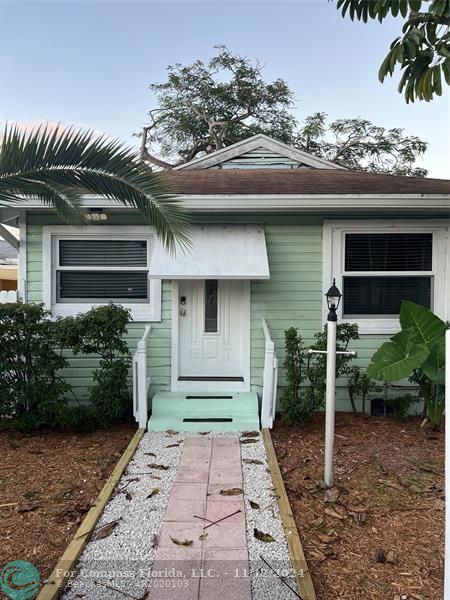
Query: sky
[90,62]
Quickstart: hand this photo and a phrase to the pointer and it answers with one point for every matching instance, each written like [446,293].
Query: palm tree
[59,166]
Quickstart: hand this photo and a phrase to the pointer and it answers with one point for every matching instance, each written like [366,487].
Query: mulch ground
[48,481]
[379,533]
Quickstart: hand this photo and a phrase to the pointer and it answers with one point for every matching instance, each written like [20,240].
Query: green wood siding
[292,297]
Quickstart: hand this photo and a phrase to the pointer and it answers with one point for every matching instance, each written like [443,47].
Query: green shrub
[359,385]
[300,401]
[31,391]
[416,352]
[295,408]
[100,331]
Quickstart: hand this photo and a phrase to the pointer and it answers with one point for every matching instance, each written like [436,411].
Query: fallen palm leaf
[231,492]
[159,467]
[254,505]
[263,537]
[184,543]
[155,491]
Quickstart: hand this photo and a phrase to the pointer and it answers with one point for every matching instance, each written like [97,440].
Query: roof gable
[259,151]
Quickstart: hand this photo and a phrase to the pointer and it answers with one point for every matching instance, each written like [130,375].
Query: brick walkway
[215,565]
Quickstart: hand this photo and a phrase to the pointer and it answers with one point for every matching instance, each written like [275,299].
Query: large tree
[422,52]
[58,166]
[361,145]
[205,106]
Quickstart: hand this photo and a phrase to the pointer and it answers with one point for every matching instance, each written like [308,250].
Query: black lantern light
[333,300]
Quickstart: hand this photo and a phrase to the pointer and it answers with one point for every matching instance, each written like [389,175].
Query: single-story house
[272,226]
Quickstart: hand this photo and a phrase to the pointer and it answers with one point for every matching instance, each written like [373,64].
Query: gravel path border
[118,565]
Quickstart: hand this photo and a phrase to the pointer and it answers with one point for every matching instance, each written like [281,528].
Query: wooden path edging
[57,581]
[305,584]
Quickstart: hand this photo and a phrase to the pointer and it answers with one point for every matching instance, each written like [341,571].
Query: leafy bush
[416,352]
[317,363]
[300,401]
[359,386]
[31,391]
[401,405]
[293,402]
[100,331]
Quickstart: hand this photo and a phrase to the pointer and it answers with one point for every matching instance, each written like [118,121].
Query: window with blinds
[382,269]
[102,271]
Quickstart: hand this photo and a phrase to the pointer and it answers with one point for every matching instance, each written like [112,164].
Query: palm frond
[58,166]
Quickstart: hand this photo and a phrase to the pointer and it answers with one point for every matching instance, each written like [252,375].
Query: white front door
[213,321]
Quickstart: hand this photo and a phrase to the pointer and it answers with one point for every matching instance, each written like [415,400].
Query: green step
[200,411]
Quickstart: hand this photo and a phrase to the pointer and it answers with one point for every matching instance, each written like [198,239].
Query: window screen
[102,253]
[383,295]
[406,254]
[102,286]
[101,271]
[388,251]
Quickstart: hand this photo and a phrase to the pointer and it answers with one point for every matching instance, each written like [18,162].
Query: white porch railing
[8,296]
[270,380]
[141,381]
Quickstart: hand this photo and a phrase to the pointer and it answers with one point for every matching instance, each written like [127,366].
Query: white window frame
[334,265]
[140,311]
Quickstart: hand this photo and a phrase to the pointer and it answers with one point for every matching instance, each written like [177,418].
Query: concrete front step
[200,411]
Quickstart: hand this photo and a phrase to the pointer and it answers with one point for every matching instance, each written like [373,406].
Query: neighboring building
[271,227]
[8,263]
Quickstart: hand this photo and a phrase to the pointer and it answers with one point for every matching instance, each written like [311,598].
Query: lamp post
[333,300]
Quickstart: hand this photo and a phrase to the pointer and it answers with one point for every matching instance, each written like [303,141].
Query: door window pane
[211,305]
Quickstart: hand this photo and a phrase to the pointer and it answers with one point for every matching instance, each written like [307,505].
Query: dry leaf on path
[249,434]
[184,543]
[254,505]
[155,491]
[252,461]
[105,531]
[159,467]
[231,492]
[263,537]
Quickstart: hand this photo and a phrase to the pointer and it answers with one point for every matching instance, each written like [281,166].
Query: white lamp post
[333,299]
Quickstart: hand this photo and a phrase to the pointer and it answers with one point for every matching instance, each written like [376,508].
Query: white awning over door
[218,252]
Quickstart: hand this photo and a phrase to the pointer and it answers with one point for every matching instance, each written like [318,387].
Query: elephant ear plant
[416,352]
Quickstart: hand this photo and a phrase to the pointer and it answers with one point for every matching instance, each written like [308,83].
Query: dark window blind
[383,295]
[388,251]
[102,253]
[102,286]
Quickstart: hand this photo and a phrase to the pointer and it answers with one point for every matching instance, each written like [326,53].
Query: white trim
[253,143]
[175,336]
[302,203]
[333,235]
[9,237]
[175,385]
[150,311]
[22,262]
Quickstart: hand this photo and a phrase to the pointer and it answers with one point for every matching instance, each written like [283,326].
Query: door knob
[182,312]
